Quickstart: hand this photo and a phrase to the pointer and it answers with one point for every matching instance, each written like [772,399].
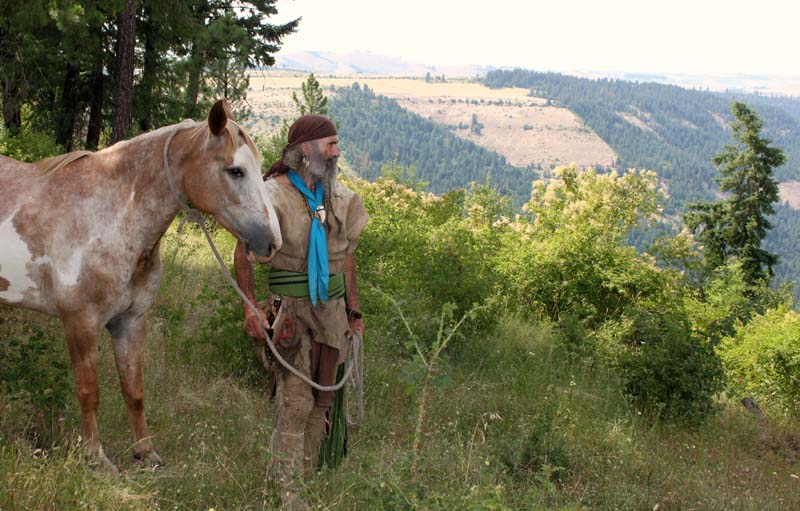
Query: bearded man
[314,278]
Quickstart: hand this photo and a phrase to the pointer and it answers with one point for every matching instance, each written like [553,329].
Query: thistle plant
[423,373]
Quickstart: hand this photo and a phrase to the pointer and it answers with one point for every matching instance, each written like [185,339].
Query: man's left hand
[357,325]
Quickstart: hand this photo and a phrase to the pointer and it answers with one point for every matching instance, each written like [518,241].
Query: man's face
[324,153]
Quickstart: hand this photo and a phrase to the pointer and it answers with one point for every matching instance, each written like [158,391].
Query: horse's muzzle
[260,248]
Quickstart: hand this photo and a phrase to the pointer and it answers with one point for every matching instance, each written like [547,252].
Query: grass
[524,425]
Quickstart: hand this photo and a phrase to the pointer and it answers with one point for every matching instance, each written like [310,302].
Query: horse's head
[223,178]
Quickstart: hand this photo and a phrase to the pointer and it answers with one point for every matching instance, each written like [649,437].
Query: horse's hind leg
[82,331]
[128,336]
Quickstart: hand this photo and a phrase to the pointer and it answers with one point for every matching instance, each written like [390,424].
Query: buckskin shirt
[327,320]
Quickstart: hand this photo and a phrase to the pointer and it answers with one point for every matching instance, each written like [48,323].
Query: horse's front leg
[82,331]
[128,337]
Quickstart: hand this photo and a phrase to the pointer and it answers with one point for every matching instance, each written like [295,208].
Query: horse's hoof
[102,465]
[149,459]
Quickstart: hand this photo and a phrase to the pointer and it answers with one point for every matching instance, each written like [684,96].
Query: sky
[632,36]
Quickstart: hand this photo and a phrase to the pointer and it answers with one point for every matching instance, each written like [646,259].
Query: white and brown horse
[80,233]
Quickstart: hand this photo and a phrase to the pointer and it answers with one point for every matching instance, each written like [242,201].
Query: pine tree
[314,101]
[736,226]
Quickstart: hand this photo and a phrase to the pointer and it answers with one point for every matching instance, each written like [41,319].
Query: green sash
[295,285]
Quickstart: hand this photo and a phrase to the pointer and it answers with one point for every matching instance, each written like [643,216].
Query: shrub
[35,372]
[763,360]
[726,300]
[423,251]
[571,260]
[668,372]
[27,145]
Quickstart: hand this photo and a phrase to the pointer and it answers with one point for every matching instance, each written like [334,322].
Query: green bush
[27,145]
[763,360]
[667,372]
[423,251]
[726,300]
[35,372]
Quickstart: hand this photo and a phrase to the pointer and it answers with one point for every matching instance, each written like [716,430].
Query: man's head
[313,147]
[321,156]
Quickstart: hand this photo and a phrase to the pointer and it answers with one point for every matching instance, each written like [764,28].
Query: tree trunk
[12,114]
[68,109]
[193,87]
[123,101]
[144,96]
[12,90]
[96,108]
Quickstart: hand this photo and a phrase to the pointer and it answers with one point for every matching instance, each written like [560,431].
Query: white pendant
[321,213]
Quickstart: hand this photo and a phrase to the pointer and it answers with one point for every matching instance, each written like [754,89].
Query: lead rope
[354,366]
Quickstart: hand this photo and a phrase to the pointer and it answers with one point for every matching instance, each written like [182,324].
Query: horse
[80,236]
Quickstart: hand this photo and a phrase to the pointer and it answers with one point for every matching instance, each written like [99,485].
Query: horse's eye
[235,172]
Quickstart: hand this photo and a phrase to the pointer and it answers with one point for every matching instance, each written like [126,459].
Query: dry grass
[526,132]
[523,129]
[790,192]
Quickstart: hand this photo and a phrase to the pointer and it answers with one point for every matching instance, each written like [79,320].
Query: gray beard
[320,168]
[324,170]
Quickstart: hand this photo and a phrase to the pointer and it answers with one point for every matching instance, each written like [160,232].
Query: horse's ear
[218,116]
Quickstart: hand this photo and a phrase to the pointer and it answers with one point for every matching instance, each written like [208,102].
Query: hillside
[377,131]
[526,133]
[524,130]
[671,130]
[676,132]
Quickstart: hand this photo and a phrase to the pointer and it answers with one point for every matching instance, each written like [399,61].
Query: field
[523,129]
[790,192]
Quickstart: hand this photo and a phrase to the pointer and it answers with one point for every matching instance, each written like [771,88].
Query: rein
[354,367]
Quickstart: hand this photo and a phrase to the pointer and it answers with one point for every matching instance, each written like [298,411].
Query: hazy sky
[692,36]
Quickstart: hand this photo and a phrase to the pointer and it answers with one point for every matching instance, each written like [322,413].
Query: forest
[376,131]
[683,130]
[83,74]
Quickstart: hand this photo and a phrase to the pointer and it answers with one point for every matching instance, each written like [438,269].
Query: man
[313,275]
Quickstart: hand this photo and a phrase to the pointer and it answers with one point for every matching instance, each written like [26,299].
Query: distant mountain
[368,63]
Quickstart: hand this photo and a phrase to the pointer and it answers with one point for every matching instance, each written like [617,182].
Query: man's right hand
[252,322]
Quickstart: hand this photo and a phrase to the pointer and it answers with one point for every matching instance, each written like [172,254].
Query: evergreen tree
[314,101]
[737,225]
[123,99]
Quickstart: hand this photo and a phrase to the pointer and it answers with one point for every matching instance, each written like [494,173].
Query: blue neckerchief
[317,244]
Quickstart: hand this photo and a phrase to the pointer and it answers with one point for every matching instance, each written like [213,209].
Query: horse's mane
[56,162]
